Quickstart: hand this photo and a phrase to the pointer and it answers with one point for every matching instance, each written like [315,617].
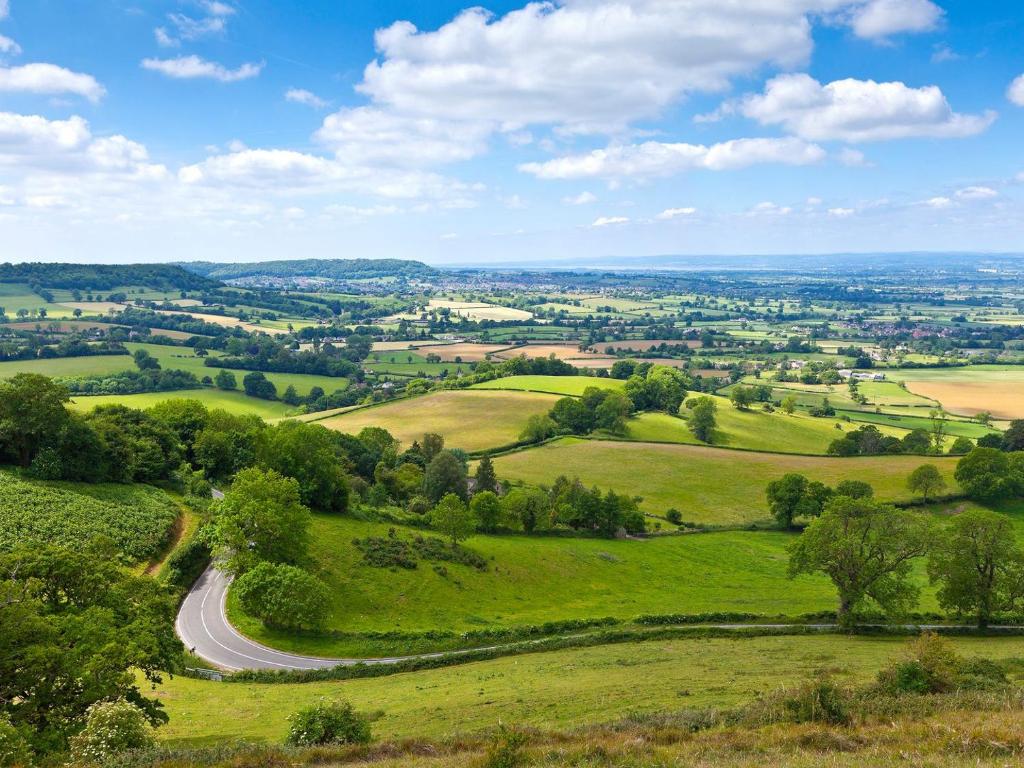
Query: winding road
[203,627]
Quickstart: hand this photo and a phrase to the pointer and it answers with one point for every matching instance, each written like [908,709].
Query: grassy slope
[559,385]
[708,485]
[471,420]
[233,402]
[753,429]
[556,689]
[531,580]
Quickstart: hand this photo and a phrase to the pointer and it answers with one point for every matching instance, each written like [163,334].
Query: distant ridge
[103,277]
[335,269]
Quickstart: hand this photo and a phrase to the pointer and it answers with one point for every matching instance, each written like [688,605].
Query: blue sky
[246,129]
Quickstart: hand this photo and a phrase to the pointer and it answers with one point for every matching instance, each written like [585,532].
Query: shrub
[14,750]
[674,516]
[934,666]
[819,701]
[283,596]
[333,722]
[111,727]
[506,749]
[188,562]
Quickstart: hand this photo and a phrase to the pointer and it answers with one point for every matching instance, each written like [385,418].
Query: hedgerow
[137,518]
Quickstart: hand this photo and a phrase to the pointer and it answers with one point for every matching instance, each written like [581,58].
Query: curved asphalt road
[203,627]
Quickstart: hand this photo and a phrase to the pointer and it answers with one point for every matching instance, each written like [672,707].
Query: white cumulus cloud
[191,67]
[302,96]
[672,213]
[655,158]
[883,18]
[9,47]
[1015,93]
[607,221]
[859,110]
[584,64]
[976,193]
[583,198]
[49,79]
[373,135]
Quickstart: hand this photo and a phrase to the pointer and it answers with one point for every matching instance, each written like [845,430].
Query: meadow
[90,365]
[557,385]
[469,419]
[234,401]
[536,579]
[969,390]
[558,689]
[712,486]
[135,517]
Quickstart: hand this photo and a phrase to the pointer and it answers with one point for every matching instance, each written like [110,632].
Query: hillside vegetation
[135,517]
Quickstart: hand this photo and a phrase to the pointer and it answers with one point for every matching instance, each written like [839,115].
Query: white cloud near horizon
[655,158]
[856,111]
[193,67]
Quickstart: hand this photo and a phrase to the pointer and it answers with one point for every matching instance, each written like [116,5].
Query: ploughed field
[994,388]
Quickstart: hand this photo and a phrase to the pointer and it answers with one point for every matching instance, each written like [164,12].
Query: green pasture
[559,385]
[232,401]
[473,420]
[559,689]
[713,486]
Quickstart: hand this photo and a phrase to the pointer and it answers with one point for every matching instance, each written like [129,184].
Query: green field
[233,402]
[534,579]
[471,420]
[90,365]
[954,427]
[15,296]
[753,429]
[135,517]
[558,385]
[559,689]
[707,485]
[184,359]
[417,369]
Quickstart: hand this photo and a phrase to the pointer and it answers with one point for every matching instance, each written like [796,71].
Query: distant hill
[104,277]
[335,269]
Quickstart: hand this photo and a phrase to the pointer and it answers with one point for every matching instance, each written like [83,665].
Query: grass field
[233,402]
[69,326]
[970,390]
[468,419]
[172,358]
[548,690]
[91,365]
[480,310]
[753,430]
[531,580]
[184,359]
[954,427]
[708,485]
[15,296]
[559,385]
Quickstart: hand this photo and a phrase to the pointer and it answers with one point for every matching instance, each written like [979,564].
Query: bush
[819,701]
[14,750]
[506,749]
[283,596]
[111,727]
[328,723]
[188,562]
[934,666]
